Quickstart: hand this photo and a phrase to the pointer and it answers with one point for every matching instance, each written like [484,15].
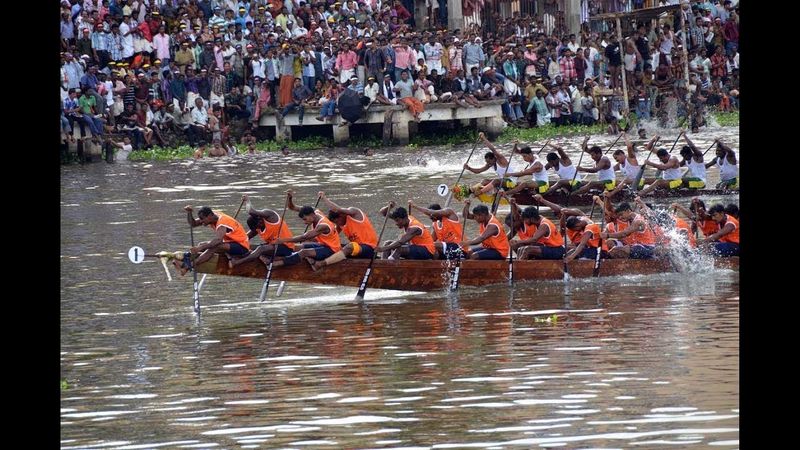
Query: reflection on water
[609,363]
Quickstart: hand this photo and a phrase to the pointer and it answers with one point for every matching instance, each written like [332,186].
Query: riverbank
[445,137]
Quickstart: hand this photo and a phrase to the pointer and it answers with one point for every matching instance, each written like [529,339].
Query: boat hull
[430,275]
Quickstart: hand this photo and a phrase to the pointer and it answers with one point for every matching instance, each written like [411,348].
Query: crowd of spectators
[150,69]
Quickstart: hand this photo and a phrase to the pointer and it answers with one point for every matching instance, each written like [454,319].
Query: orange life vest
[270,233]
[425,239]
[360,232]
[235,231]
[526,232]
[447,230]
[682,224]
[575,236]
[555,239]
[708,226]
[733,236]
[499,241]
[331,238]
[646,237]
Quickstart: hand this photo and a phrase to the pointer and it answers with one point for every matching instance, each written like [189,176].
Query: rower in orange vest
[445,230]
[539,237]
[355,224]
[493,239]
[726,240]
[323,231]
[585,234]
[230,236]
[637,239]
[415,243]
[265,224]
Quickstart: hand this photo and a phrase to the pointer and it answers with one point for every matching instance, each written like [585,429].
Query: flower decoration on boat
[461,191]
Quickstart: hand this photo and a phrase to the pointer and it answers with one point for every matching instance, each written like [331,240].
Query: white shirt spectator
[199,116]
[127,41]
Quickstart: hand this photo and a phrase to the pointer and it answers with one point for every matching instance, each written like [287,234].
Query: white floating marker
[136,254]
[442,190]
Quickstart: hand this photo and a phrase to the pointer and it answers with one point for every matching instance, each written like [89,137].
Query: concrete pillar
[283,132]
[400,129]
[341,135]
[494,127]
[572,15]
[455,15]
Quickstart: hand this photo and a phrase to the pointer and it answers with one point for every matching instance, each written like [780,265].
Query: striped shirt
[99,41]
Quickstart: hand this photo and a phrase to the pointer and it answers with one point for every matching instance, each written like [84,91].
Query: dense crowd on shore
[150,69]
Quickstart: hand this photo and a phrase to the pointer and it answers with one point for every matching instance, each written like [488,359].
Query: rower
[535,168]
[633,238]
[547,240]
[494,160]
[661,222]
[264,223]
[725,242]
[230,237]
[693,159]
[493,239]
[700,218]
[323,231]
[562,165]
[728,166]
[355,224]
[602,167]
[415,243]
[629,165]
[585,234]
[671,172]
[517,226]
[445,230]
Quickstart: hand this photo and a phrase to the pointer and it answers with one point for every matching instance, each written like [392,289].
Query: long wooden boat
[525,197]
[430,275]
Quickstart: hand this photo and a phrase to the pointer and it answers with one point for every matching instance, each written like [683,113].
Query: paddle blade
[263,295]
[363,288]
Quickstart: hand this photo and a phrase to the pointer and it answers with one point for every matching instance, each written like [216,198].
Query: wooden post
[685,55]
[624,78]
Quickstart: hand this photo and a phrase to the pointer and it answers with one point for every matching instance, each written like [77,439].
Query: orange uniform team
[635,231]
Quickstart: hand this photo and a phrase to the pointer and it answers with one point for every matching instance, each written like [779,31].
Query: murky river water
[619,362]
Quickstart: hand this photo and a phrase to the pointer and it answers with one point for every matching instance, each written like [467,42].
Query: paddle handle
[457,270]
[263,295]
[596,270]
[450,195]
[566,203]
[195,287]
[237,211]
[362,289]
[543,147]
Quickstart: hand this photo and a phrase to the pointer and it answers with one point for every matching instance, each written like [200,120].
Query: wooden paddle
[543,147]
[511,251]
[710,146]
[450,196]
[613,144]
[596,270]
[457,269]
[363,288]
[196,293]
[265,286]
[240,208]
[566,203]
